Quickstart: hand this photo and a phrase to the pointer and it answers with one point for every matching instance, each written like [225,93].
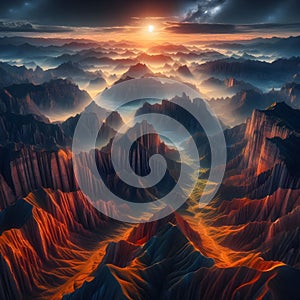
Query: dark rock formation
[52,96]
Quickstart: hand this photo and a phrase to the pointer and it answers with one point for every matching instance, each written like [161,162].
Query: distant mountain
[281,47]
[90,58]
[70,70]
[39,41]
[168,48]
[185,71]
[50,97]
[236,109]
[28,51]
[154,59]
[261,74]
[215,87]
[97,84]
[176,111]
[137,71]
[74,45]
[122,79]
[10,74]
[206,55]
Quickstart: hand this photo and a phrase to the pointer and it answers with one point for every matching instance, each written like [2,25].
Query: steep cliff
[26,168]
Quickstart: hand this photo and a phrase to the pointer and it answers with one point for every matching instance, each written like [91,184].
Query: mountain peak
[138,70]
[285,114]
[279,106]
[184,71]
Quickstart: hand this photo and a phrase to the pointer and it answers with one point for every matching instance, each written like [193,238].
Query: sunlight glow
[150,28]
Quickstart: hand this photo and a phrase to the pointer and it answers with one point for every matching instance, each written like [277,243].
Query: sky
[170,16]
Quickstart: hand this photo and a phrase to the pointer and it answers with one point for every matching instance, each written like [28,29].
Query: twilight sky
[125,17]
[120,12]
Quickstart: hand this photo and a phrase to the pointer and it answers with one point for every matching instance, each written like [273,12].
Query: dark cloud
[120,12]
[205,28]
[89,12]
[28,27]
[246,11]
[204,11]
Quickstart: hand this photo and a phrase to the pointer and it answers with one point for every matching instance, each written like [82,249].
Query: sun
[150,28]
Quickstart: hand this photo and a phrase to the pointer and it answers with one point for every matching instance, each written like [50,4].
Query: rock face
[26,168]
[278,121]
[273,141]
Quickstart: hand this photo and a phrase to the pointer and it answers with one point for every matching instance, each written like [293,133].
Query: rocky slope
[165,260]
[61,231]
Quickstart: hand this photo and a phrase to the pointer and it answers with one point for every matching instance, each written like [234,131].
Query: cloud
[28,27]
[119,12]
[204,28]
[204,11]
[89,12]
[207,28]
[245,11]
